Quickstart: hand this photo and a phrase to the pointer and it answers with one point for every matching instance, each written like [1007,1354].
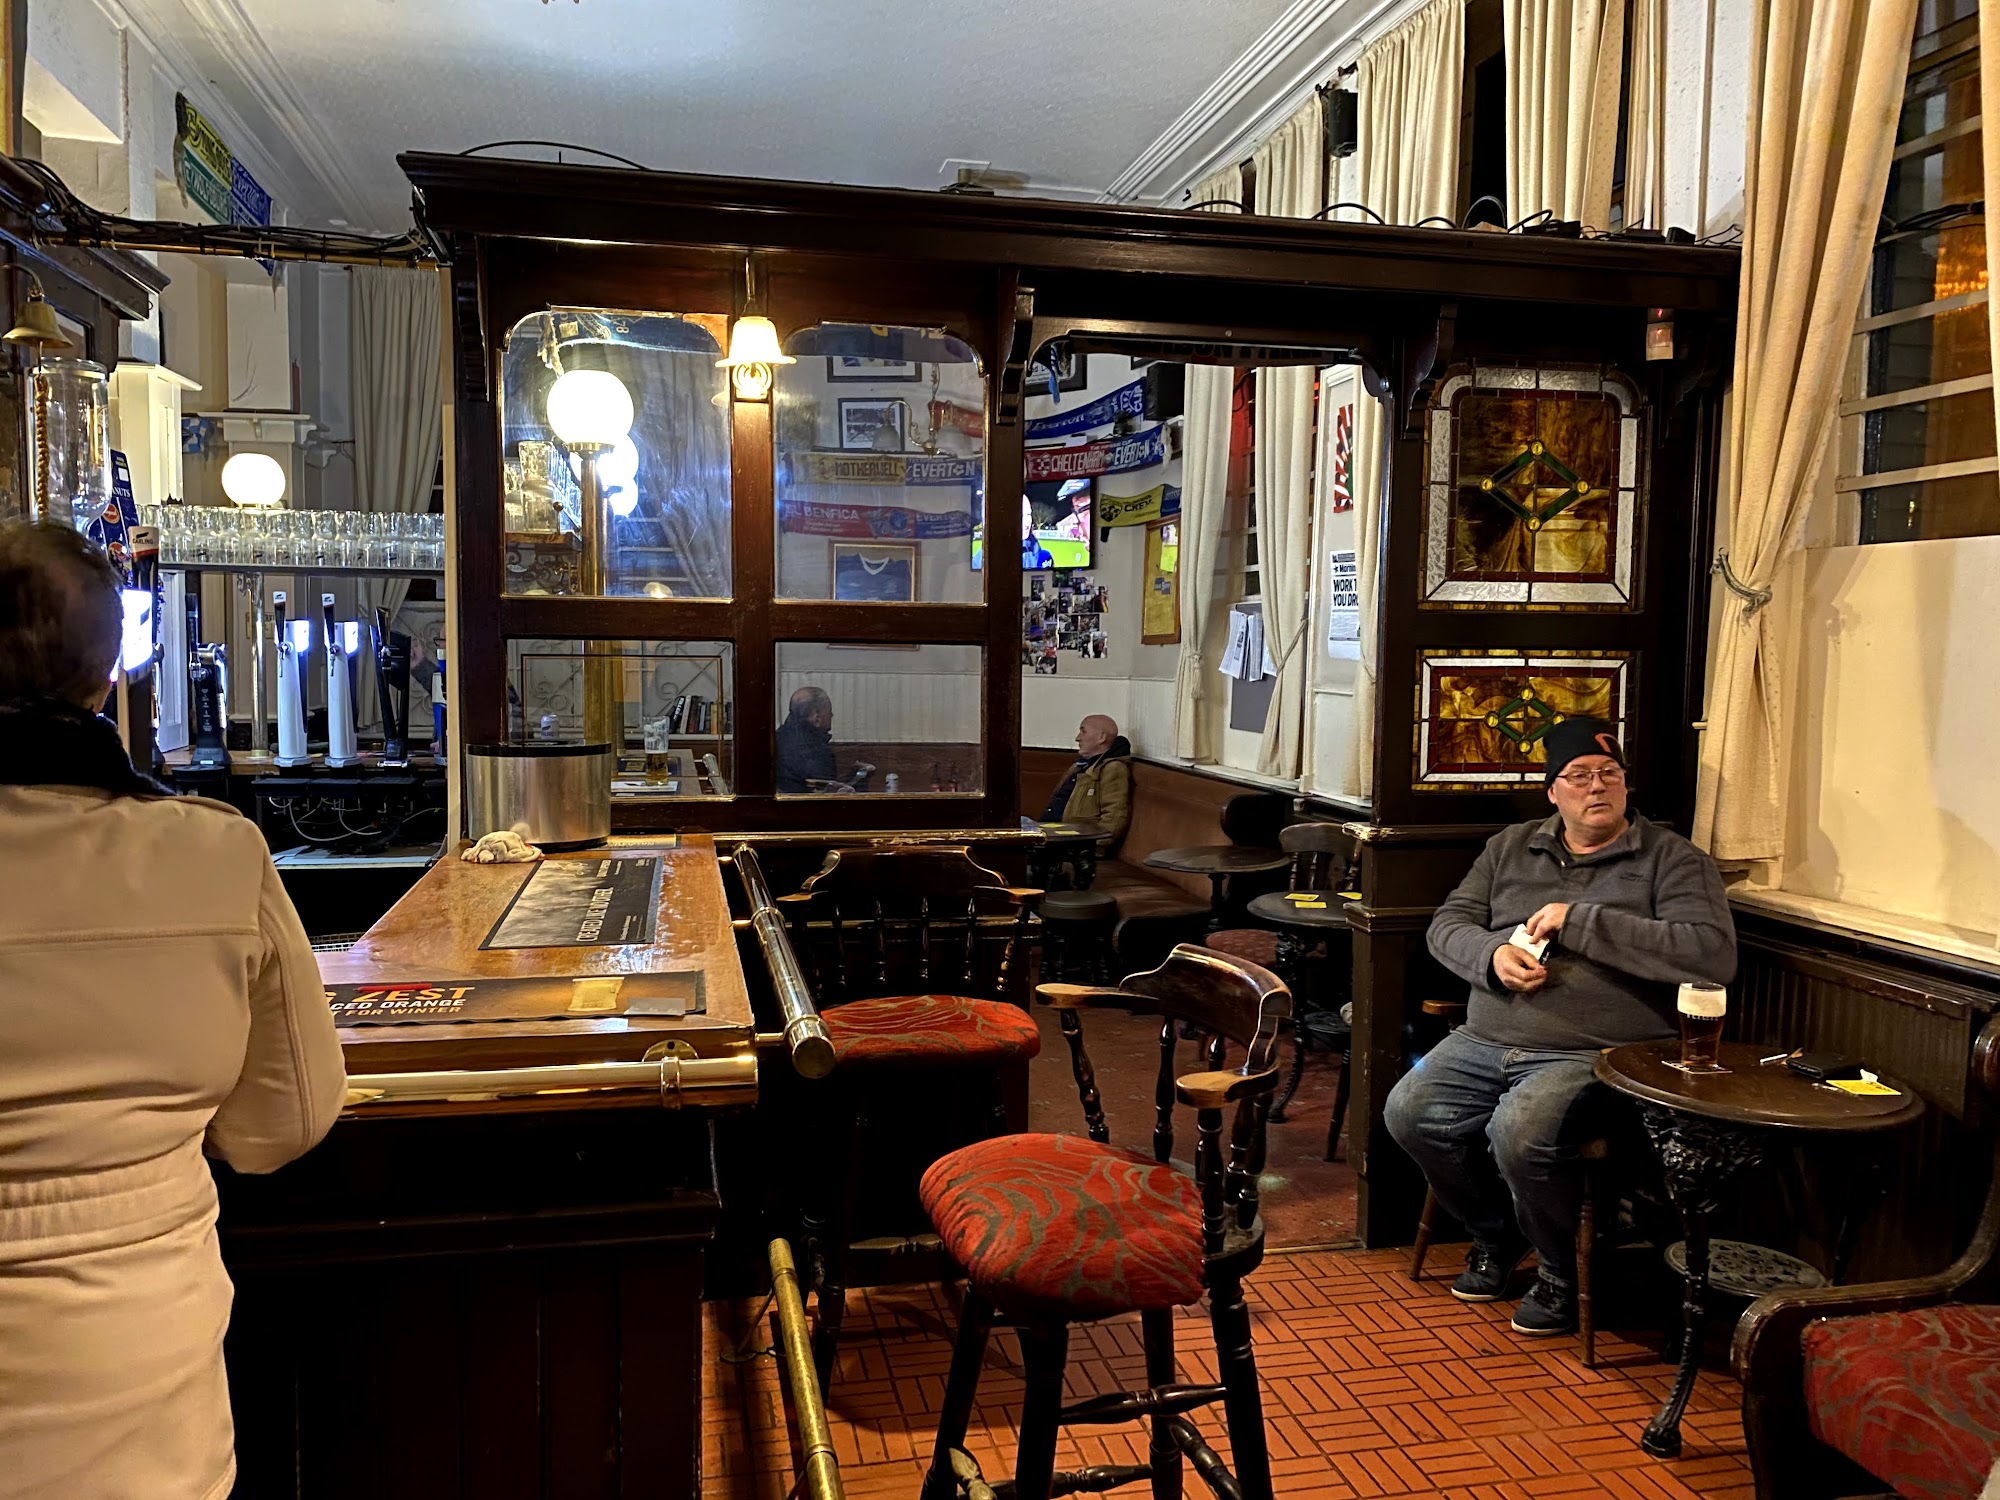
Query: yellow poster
[1160,601]
[1131,510]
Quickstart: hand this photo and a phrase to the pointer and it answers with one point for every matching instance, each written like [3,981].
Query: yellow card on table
[1348,895]
[1310,905]
[1866,1086]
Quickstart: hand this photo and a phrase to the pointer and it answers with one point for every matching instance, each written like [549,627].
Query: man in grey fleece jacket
[1492,1113]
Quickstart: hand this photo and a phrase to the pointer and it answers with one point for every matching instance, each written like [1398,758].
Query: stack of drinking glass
[225,537]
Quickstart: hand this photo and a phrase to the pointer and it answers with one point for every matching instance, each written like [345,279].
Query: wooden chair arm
[1213,1090]
[1450,1008]
[1014,895]
[1767,1337]
[1080,996]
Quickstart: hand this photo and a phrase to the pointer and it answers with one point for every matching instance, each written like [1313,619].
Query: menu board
[582,903]
[543,998]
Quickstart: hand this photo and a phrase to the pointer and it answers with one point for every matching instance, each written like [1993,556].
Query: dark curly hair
[60,615]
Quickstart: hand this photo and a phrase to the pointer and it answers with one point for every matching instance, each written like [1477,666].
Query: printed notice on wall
[582,903]
[1343,600]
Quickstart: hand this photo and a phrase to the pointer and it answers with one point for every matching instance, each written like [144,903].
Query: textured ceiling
[1068,92]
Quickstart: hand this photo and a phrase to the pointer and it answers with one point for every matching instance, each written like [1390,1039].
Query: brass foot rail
[821,1467]
[805,1035]
[675,1078]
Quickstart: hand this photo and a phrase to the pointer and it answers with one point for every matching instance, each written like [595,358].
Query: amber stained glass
[1483,715]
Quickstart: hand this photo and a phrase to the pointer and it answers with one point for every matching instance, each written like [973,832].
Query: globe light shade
[255,481]
[589,408]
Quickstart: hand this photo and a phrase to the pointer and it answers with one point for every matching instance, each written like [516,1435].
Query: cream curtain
[1646,117]
[394,328]
[1411,84]
[1291,182]
[1204,506]
[1989,109]
[1826,89]
[1564,61]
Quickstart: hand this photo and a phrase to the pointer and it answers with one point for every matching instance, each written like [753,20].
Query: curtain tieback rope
[1753,599]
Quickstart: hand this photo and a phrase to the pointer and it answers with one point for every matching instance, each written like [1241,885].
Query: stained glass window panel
[1534,489]
[1482,714]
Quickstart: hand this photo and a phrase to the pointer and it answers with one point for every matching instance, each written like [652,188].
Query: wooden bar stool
[1053,1231]
[914,955]
[1076,936]
[1308,919]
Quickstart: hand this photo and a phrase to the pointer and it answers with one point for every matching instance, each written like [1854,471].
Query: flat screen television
[1056,525]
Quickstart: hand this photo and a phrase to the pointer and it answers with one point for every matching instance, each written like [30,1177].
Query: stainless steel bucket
[555,796]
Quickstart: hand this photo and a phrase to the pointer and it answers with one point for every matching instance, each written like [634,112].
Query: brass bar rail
[805,1035]
[821,1467]
[676,1080]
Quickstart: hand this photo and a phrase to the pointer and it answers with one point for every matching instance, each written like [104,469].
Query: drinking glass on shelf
[1703,1008]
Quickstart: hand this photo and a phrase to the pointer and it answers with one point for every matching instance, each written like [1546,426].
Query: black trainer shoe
[1487,1271]
[1549,1308]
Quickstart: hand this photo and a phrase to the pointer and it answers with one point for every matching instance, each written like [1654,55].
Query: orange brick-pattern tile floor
[1374,1386]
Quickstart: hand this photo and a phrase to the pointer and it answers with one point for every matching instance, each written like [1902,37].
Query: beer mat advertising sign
[543,998]
[582,903]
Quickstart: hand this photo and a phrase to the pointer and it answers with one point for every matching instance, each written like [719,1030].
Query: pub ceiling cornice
[1255,94]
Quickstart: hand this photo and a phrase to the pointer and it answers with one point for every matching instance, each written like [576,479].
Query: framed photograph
[1072,371]
[849,367]
[870,573]
[1160,603]
[862,419]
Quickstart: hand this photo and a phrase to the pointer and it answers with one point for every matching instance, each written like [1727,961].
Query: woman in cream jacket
[158,1001]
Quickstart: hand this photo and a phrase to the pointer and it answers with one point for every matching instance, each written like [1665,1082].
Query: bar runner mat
[545,998]
[582,903]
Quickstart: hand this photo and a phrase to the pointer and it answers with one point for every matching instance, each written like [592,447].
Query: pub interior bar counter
[489,1279]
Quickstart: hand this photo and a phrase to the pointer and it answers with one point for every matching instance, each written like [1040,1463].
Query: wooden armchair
[917,958]
[1850,1388]
[1053,1230]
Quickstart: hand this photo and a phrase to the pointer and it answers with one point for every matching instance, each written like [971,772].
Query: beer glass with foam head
[1703,1008]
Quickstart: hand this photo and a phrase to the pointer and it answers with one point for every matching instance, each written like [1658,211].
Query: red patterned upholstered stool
[1055,1230]
[914,954]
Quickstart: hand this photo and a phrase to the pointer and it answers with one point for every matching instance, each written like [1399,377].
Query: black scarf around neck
[46,742]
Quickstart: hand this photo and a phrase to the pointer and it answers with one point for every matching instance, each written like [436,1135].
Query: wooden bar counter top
[433,935]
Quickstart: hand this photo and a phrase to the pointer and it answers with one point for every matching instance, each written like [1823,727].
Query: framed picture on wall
[849,367]
[1160,595]
[871,573]
[881,424]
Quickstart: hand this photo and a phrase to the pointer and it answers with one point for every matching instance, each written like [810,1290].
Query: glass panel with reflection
[879,720]
[668,707]
[629,405]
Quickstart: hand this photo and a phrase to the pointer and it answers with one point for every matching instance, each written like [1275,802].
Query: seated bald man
[1097,793]
[1494,1113]
[805,759]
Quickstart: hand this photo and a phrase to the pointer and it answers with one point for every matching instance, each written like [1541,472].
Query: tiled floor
[1373,1386]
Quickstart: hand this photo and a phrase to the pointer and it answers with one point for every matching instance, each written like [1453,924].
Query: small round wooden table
[1302,919]
[1063,844]
[1706,1128]
[1218,862]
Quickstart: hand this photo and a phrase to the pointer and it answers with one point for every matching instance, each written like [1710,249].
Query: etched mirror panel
[1534,489]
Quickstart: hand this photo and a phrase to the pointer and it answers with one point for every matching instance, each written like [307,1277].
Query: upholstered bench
[1912,1397]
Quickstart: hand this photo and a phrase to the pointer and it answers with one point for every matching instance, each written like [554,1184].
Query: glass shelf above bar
[300,570]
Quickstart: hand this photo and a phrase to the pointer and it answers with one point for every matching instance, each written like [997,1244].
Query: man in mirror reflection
[806,761]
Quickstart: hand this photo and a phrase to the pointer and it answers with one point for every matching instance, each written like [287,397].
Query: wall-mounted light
[36,328]
[255,481]
[753,356]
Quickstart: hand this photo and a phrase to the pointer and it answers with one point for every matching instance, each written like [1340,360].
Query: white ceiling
[1070,92]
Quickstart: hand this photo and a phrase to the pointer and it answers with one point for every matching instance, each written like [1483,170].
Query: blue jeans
[1495,1130]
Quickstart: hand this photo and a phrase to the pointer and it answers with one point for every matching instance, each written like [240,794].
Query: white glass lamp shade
[254,480]
[754,341]
[617,475]
[590,407]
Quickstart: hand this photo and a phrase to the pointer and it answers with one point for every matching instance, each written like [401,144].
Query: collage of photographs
[1063,613]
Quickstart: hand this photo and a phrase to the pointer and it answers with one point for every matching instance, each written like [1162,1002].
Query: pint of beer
[1702,1008]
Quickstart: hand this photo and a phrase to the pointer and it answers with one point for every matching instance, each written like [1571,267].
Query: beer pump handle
[278,614]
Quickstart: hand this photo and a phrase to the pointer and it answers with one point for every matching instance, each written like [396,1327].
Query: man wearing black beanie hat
[1573,932]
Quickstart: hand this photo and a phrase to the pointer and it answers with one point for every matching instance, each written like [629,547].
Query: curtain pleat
[393,325]
[1204,505]
[1826,90]
[1411,84]
[1646,117]
[1291,182]
[1565,60]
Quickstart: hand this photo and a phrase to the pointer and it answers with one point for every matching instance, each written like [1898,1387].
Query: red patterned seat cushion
[1913,1397]
[1054,1224]
[926,1030]
[1257,944]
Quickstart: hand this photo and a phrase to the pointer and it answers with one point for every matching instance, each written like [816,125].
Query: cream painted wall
[1895,789]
